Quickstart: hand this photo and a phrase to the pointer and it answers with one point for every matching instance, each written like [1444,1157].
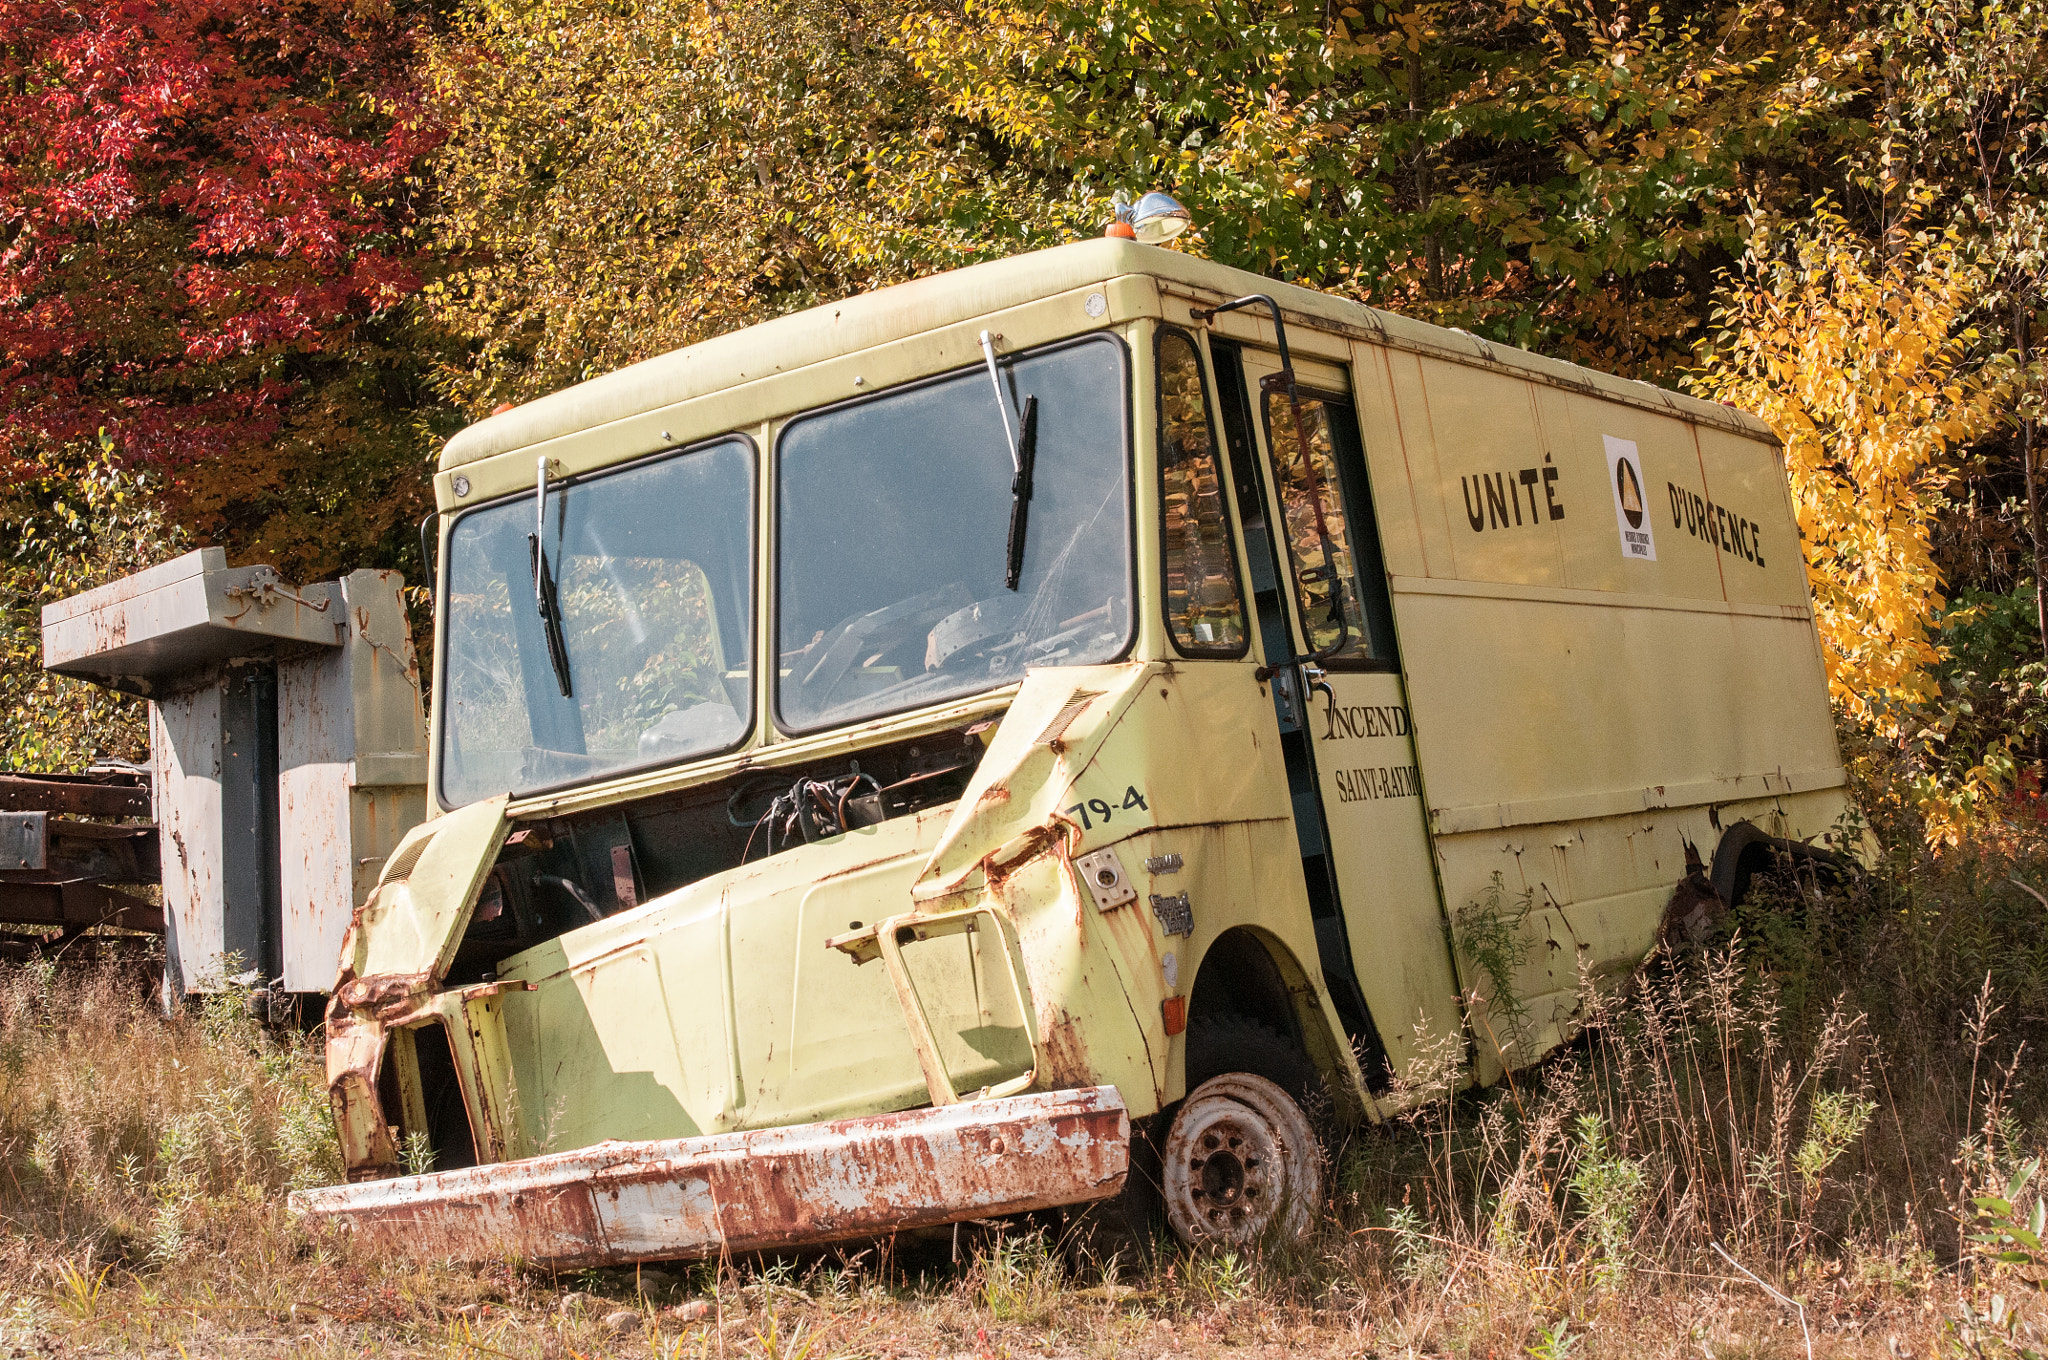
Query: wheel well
[1239,978]
[1246,976]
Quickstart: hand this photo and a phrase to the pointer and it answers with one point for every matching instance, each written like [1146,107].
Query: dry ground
[327,1305]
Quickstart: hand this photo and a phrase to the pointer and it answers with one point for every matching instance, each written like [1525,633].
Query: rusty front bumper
[740,1192]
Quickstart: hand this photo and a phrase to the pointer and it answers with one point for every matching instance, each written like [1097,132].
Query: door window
[1204,604]
[1322,489]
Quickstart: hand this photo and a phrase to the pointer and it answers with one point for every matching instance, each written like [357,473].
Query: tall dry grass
[139,1141]
[1795,1139]
[1815,1107]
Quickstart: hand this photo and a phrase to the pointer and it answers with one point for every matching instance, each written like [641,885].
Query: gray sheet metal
[169,623]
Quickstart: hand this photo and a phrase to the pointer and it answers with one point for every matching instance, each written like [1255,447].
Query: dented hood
[1011,810]
[407,933]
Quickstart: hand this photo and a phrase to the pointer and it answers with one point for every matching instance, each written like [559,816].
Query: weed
[1489,931]
[124,1130]
[1610,1189]
[774,1345]
[1420,1256]
[1836,1121]
[1220,1277]
[79,1292]
[679,1347]
[1554,1342]
[20,1324]
[416,1153]
[1018,1274]
[167,1234]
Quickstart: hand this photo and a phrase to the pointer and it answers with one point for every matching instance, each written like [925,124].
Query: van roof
[826,332]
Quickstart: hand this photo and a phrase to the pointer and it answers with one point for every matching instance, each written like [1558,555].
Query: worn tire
[1231,1043]
[1241,1160]
[1241,1165]
[1746,853]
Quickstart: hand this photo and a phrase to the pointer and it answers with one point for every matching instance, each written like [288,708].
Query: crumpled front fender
[399,945]
[1010,812]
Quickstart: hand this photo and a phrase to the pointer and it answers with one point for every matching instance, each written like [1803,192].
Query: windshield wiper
[546,602]
[1023,454]
[1020,490]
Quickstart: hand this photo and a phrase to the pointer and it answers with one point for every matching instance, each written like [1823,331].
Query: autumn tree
[207,247]
[623,177]
[1965,125]
[1861,359]
[1858,359]
[1561,176]
[98,522]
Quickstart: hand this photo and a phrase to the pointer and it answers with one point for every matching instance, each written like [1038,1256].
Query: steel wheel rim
[1239,1161]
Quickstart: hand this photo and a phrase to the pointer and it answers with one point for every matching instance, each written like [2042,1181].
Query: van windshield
[894,519]
[652,567]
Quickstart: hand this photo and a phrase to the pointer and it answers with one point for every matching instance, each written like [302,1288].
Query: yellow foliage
[1859,358]
[96,524]
[625,177]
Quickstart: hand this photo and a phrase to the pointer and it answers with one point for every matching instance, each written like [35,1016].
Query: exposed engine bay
[558,873]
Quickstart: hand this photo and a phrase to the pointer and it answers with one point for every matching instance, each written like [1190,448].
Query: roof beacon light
[1159,218]
[1154,219]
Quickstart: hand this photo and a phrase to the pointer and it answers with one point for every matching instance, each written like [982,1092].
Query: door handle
[1298,676]
[1317,680]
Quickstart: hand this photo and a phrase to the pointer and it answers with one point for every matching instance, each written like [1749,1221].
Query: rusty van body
[887,760]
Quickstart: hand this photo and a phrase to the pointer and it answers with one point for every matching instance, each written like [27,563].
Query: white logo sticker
[1631,506]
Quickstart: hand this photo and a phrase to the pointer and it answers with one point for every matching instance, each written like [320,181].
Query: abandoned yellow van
[1046,726]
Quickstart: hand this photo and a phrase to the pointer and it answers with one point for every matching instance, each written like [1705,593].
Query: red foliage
[194,196]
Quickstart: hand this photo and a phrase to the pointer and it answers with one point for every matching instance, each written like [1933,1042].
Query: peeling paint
[623,1202]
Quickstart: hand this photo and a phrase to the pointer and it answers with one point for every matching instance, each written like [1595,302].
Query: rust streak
[622,1202]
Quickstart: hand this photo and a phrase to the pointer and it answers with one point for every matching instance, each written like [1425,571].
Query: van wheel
[1234,1043]
[1240,1163]
[1241,1160]
[1746,853]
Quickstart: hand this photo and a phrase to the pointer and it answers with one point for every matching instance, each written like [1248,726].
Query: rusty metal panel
[213,754]
[166,625]
[118,854]
[384,681]
[314,739]
[740,1192]
[79,795]
[351,772]
[185,753]
[54,871]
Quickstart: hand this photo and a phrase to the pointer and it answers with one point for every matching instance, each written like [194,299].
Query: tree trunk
[2021,320]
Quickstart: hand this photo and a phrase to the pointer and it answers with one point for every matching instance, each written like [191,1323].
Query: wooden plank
[75,902]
